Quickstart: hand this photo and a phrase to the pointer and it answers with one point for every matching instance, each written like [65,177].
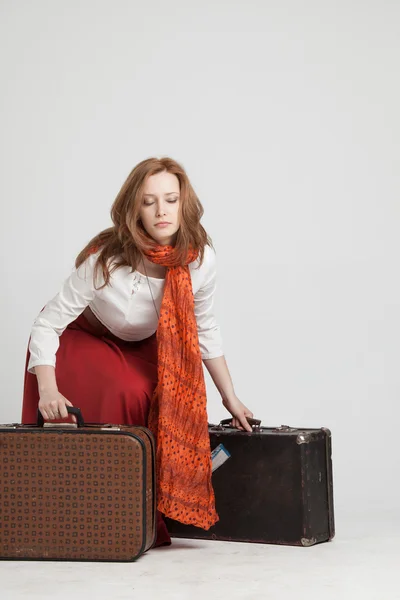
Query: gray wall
[285,115]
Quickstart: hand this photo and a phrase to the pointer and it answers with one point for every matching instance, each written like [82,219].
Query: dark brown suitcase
[275,487]
[76,492]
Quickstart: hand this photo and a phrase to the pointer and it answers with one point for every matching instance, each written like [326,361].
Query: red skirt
[110,380]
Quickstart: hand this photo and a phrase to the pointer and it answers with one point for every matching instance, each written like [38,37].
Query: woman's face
[161,203]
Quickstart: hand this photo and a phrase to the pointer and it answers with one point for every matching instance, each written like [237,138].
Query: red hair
[127,240]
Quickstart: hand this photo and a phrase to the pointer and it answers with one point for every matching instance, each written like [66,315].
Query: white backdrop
[285,115]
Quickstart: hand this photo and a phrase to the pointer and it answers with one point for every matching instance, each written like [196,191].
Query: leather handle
[72,410]
[251,421]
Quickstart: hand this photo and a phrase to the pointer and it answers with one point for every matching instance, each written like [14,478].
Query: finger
[52,410]
[245,424]
[63,410]
[68,403]
[44,414]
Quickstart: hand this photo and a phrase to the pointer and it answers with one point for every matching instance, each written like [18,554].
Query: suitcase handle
[253,422]
[72,410]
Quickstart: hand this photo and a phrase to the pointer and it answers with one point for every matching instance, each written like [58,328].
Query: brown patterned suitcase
[76,491]
[272,485]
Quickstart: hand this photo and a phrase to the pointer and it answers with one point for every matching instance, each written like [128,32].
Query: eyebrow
[153,196]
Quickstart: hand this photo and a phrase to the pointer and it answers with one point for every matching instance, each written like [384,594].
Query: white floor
[363,561]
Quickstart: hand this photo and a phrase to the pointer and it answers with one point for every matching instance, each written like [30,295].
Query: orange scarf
[178,411]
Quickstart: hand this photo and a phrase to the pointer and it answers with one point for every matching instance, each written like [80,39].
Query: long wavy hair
[127,240]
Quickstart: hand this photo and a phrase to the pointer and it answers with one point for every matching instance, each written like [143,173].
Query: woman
[131,327]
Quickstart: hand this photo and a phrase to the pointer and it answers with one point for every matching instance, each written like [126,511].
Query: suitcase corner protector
[308,541]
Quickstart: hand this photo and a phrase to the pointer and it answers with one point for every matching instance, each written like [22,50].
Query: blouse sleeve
[210,341]
[76,293]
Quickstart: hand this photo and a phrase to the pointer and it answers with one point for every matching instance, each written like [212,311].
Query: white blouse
[125,307]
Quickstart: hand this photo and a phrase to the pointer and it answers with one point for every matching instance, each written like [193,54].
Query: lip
[164,224]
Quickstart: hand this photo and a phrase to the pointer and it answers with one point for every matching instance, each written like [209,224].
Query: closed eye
[170,201]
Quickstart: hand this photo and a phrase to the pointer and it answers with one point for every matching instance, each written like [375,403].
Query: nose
[160,210]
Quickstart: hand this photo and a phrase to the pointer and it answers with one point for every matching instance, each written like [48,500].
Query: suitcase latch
[285,428]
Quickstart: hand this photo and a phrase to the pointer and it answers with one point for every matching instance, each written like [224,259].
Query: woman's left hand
[239,413]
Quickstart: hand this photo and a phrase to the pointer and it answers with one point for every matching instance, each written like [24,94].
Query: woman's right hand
[53,405]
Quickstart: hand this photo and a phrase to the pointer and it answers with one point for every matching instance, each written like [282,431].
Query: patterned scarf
[178,411]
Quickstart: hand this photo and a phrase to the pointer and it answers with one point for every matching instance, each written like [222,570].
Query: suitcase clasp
[285,428]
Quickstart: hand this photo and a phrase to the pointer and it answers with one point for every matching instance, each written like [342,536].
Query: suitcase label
[218,456]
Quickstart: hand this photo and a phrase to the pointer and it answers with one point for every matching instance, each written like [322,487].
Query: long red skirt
[110,380]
